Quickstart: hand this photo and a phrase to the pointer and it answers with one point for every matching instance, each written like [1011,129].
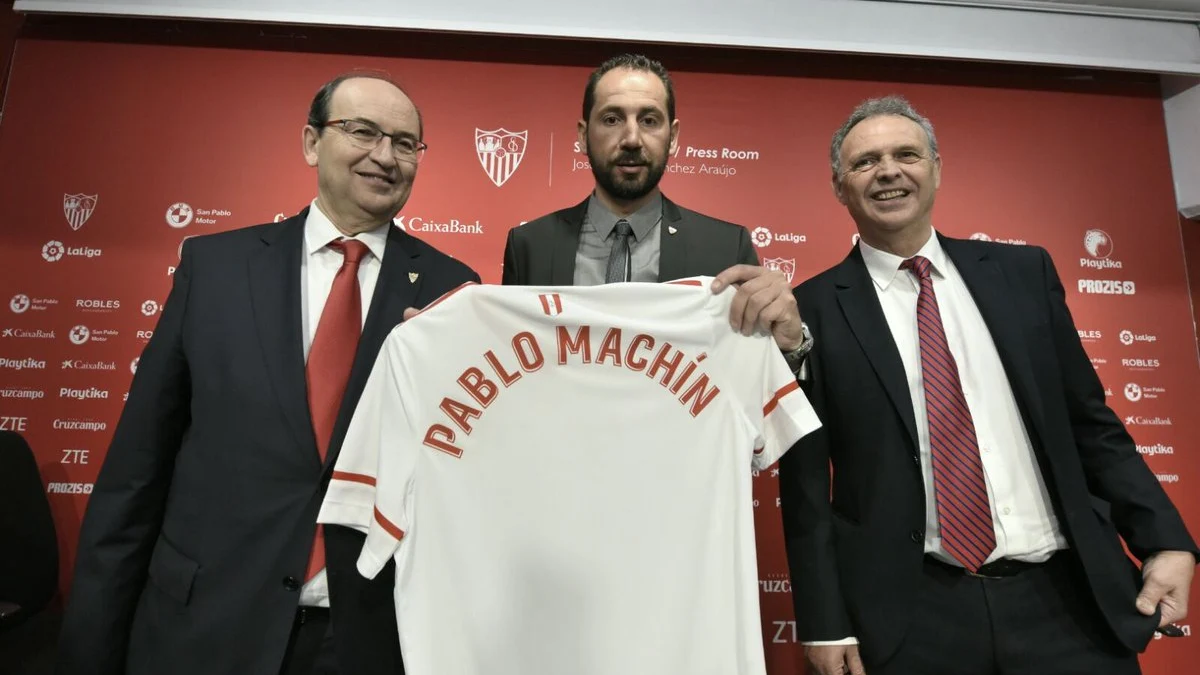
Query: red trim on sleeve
[388,526]
[354,477]
[686,282]
[787,389]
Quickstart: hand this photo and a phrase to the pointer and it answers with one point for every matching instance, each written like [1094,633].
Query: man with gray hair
[980,485]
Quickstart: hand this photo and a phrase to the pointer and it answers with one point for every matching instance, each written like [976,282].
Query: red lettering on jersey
[506,378]
[661,362]
[528,351]
[701,395]
[687,372]
[582,342]
[459,413]
[637,363]
[439,437]
[479,387]
[611,347]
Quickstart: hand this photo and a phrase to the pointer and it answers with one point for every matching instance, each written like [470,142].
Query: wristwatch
[795,358]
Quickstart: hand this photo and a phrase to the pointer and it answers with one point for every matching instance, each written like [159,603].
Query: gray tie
[618,258]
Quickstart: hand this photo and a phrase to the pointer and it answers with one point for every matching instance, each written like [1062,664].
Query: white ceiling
[1187,10]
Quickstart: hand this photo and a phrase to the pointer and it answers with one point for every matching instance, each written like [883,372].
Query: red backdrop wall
[115,152]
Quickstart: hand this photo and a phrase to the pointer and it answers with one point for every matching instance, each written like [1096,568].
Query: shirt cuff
[831,643]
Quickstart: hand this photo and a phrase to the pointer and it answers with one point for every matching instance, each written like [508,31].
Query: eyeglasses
[872,162]
[366,136]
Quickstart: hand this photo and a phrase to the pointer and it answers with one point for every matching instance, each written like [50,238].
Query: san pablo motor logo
[500,152]
[78,208]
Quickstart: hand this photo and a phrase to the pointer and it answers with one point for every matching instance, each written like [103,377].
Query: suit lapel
[400,278]
[275,295]
[566,244]
[995,298]
[860,305]
[672,254]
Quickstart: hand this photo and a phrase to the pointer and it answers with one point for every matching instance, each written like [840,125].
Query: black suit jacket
[542,252]
[197,535]
[856,554]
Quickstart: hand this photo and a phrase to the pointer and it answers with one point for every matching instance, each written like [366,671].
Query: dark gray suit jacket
[542,252]
[196,537]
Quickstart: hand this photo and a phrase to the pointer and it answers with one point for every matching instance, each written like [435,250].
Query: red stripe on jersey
[388,526]
[354,477]
[545,304]
[557,303]
[443,297]
[686,282]
[787,389]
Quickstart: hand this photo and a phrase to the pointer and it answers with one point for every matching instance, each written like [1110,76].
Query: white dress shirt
[318,266]
[1025,525]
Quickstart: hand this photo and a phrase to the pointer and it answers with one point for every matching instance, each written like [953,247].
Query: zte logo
[14,423]
[785,632]
[1106,287]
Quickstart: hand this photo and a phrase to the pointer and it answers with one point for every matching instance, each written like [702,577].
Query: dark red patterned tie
[330,359]
[964,513]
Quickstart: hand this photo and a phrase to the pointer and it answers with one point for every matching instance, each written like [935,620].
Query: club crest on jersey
[785,265]
[78,208]
[500,152]
[551,303]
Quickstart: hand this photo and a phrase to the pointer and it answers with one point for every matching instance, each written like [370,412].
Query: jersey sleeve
[786,415]
[372,479]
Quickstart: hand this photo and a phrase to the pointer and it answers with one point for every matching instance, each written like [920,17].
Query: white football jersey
[563,477]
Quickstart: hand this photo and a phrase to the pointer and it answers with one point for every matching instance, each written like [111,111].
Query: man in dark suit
[979,481]
[626,230]
[199,552]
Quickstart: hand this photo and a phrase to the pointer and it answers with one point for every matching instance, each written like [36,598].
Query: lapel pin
[671,229]
[412,277]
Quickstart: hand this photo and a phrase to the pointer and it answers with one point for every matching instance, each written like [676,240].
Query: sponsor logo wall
[90,251]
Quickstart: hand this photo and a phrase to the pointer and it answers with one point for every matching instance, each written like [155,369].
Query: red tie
[963,510]
[330,359]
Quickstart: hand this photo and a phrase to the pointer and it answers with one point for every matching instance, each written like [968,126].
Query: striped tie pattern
[963,510]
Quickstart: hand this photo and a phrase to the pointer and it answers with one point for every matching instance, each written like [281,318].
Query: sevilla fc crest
[500,152]
[78,208]
[785,265]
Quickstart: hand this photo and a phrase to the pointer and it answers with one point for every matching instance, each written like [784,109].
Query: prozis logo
[762,237]
[1140,364]
[21,303]
[1139,421]
[1128,338]
[69,488]
[451,226]
[22,364]
[984,236]
[1090,335]
[1137,392]
[1106,287]
[53,251]
[1099,247]
[97,305]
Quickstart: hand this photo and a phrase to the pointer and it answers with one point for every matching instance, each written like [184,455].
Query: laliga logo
[150,308]
[761,237]
[785,265]
[500,152]
[134,364]
[53,251]
[1133,392]
[1127,337]
[1097,243]
[179,215]
[79,335]
[78,208]
[20,303]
